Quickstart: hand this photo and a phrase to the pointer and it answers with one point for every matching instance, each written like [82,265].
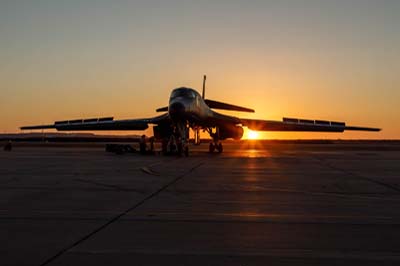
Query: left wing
[105,123]
[295,124]
[226,106]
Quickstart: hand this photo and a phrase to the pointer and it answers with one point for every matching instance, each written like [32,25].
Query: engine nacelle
[227,132]
[162,131]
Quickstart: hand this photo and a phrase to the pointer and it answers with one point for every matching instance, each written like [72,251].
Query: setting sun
[252,134]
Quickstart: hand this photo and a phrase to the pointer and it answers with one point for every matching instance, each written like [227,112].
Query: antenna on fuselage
[204,86]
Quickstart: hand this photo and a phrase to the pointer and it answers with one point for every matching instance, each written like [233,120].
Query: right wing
[105,123]
[295,124]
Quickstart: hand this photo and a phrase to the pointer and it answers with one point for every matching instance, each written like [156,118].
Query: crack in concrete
[117,217]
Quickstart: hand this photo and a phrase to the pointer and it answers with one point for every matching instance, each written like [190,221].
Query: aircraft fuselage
[186,105]
[187,109]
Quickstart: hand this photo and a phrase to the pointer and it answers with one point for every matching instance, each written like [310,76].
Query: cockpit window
[184,92]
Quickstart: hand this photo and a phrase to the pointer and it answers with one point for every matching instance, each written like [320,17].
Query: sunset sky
[333,60]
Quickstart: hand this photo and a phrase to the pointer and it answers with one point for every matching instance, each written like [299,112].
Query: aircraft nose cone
[176,109]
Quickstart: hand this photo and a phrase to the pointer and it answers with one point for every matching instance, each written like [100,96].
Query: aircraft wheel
[186,151]
[180,149]
[172,147]
[164,147]
[220,149]
[211,148]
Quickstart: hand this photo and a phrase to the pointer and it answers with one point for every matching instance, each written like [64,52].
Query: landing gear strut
[182,143]
[183,148]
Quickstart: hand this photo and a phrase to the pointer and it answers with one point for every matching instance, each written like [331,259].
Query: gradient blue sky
[335,60]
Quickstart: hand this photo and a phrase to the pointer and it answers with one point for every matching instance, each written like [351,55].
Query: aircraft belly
[214,120]
[195,118]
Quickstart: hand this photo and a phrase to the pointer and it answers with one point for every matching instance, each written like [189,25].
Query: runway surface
[256,204]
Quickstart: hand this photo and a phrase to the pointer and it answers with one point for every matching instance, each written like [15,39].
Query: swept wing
[104,123]
[295,124]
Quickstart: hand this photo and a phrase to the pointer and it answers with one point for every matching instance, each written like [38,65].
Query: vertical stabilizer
[204,86]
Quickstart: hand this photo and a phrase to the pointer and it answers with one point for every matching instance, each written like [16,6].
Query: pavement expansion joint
[357,176]
[117,217]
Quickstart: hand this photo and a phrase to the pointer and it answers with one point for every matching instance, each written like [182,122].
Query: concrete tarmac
[255,204]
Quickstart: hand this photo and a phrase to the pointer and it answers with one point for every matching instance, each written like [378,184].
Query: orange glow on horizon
[268,58]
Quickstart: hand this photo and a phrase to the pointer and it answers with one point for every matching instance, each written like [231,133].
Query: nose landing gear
[182,131]
[215,144]
[183,148]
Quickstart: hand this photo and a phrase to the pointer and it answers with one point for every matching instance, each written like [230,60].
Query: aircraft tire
[180,149]
[211,147]
[220,149]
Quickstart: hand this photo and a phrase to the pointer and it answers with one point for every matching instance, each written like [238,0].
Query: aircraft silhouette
[188,109]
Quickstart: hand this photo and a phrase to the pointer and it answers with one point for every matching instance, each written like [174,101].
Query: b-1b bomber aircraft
[188,109]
